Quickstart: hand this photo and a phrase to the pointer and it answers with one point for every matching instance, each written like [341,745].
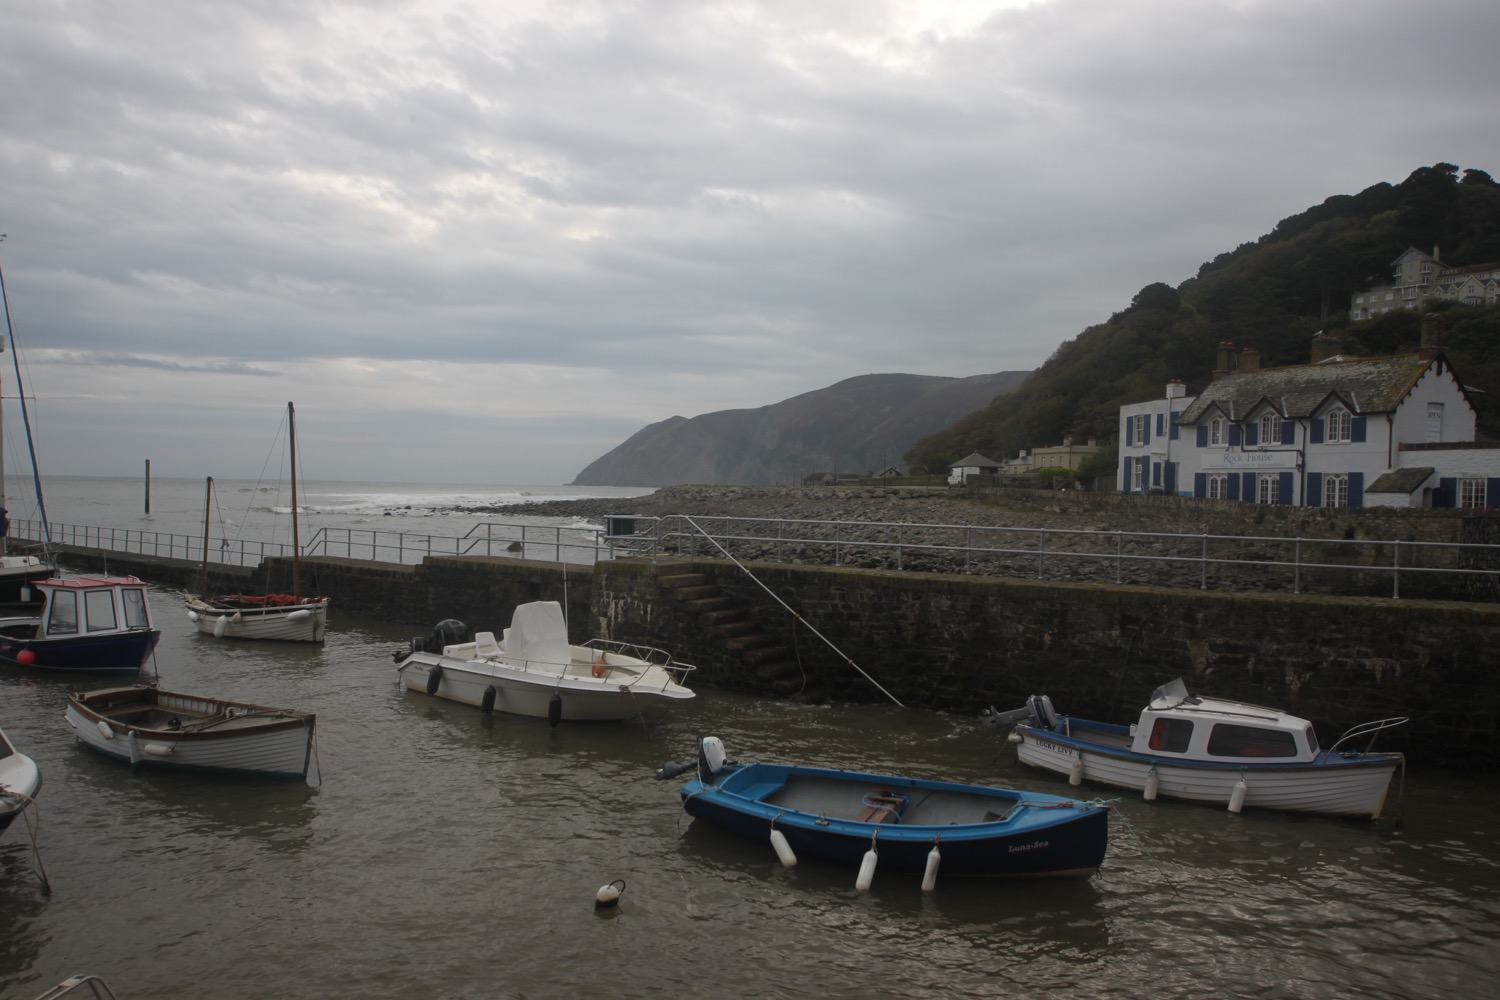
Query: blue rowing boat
[894,823]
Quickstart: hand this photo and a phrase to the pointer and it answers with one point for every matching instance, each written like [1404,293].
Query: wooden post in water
[148,486]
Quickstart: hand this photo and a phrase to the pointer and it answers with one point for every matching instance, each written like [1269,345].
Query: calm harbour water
[436,852]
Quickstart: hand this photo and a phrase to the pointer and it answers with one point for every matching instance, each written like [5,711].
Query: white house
[973,465]
[1150,442]
[1393,431]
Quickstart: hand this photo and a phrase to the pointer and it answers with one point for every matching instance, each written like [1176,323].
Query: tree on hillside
[1274,294]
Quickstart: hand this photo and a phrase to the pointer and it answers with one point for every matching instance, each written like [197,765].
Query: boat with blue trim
[100,624]
[1210,750]
[896,823]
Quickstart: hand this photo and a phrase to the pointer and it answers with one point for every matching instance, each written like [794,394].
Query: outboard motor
[448,632]
[711,757]
[1038,712]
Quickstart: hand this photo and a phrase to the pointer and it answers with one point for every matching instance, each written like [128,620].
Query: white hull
[623,692]
[20,780]
[297,623]
[214,736]
[1352,789]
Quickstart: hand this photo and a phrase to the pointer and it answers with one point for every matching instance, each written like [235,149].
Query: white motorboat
[533,670]
[143,724]
[1210,750]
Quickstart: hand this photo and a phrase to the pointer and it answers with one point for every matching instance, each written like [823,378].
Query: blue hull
[979,831]
[116,653]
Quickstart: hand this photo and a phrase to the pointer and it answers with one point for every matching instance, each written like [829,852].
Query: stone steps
[725,620]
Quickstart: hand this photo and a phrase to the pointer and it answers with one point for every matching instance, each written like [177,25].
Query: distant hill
[1273,294]
[858,425]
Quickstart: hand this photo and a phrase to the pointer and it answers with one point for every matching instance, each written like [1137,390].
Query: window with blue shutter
[1357,430]
[1169,479]
[1315,432]
[1247,488]
[1145,432]
[1155,473]
[1203,435]
[1126,439]
[1233,481]
[1491,493]
[1172,424]
[1234,435]
[1356,489]
[1447,493]
[1288,432]
[1284,491]
[1200,483]
[1252,435]
[1314,496]
[1160,418]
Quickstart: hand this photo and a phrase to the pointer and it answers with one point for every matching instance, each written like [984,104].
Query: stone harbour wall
[960,643]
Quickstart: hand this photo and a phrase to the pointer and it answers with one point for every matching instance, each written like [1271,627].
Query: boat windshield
[1312,739]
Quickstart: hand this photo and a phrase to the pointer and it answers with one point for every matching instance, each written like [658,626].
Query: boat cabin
[1176,724]
[93,604]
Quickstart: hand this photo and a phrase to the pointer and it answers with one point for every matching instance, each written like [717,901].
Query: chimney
[1093,442]
[1432,336]
[1175,389]
[1250,360]
[1224,361]
[1325,346]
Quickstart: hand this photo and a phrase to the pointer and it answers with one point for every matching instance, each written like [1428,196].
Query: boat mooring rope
[33,830]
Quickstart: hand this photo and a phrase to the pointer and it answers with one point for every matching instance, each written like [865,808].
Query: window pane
[63,617]
[1171,735]
[1226,740]
[135,608]
[99,606]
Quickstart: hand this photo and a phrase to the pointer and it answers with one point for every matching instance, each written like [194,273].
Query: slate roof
[1366,385]
[975,461]
[1400,480]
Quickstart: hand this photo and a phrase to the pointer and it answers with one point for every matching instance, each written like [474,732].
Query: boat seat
[882,806]
[485,644]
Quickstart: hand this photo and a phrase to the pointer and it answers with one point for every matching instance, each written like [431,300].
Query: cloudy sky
[485,242]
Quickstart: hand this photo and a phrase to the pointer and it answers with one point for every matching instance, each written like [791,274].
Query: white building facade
[1395,431]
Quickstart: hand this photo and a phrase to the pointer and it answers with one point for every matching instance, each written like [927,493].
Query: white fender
[192,616]
[783,849]
[1153,784]
[929,877]
[300,615]
[157,749]
[221,626]
[105,731]
[1237,797]
[866,871]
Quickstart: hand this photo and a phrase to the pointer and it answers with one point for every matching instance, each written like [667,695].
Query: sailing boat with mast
[288,617]
[18,571]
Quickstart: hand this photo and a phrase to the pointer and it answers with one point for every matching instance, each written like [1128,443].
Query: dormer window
[1270,429]
[1216,431]
[1340,425]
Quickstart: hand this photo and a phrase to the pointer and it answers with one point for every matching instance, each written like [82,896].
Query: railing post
[1119,557]
[1396,569]
[1203,565]
[1297,567]
[1041,546]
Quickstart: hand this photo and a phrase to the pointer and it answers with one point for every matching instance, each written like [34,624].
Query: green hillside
[1274,295]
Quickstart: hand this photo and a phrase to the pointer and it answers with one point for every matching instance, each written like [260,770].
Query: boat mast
[291,432]
[36,476]
[208,493]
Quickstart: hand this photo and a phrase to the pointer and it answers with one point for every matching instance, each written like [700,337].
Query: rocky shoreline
[1062,535]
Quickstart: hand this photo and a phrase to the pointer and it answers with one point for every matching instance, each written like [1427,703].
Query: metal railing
[1379,567]
[519,541]
[1203,561]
